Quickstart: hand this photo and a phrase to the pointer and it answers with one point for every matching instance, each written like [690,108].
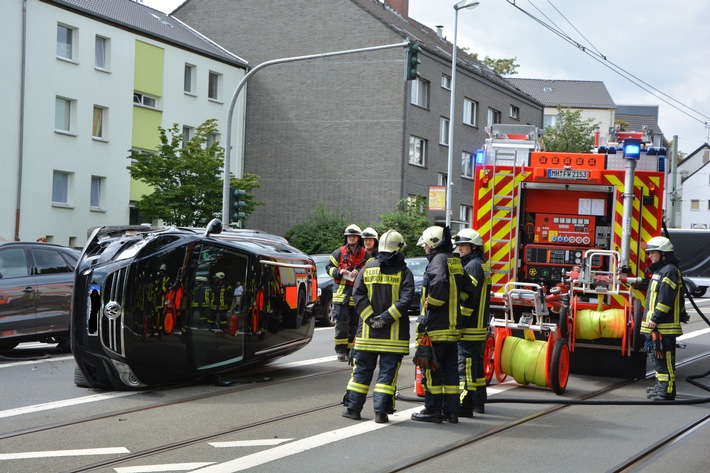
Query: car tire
[330,313]
[79,378]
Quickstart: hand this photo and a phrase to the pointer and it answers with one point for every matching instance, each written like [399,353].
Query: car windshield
[321,262]
[417,265]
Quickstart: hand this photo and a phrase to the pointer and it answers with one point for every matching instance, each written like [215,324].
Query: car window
[13,263]
[49,261]
[417,266]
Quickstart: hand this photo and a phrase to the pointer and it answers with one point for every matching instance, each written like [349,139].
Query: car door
[54,277]
[17,294]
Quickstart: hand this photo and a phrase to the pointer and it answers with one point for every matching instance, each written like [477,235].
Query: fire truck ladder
[503,217]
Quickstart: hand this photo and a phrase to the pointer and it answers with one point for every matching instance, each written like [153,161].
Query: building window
[420,93]
[60,188]
[470,111]
[467,165]
[64,115]
[549,120]
[417,151]
[214,90]
[187,133]
[102,53]
[189,85]
[65,42]
[441,180]
[465,215]
[514,112]
[445,82]
[212,138]
[493,117]
[444,131]
[97,192]
[100,122]
[145,100]
[694,205]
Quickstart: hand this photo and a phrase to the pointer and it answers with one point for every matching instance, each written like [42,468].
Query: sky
[660,44]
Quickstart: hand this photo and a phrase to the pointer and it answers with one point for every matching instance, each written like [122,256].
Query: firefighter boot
[662,393]
[426,415]
[351,414]
[652,390]
[381,418]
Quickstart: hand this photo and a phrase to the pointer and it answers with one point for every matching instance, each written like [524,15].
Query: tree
[322,233]
[503,67]
[411,219]
[570,133]
[186,178]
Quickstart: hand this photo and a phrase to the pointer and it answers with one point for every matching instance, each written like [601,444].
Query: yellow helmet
[661,244]
[353,230]
[468,235]
[432,236]
[391,242]
[370,232]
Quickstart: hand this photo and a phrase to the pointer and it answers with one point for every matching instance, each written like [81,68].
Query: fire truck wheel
[489,358]
[563,322]
[637,312]
[559,366]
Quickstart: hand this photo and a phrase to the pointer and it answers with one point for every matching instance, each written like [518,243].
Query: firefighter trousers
[442,385]
[346,320]
[665,367]
[363,370]
[472,378]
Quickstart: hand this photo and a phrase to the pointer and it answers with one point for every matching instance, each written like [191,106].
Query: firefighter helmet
[391,242]
[468,235]
[370,232]
[659,243]
[432,236]
[353,230]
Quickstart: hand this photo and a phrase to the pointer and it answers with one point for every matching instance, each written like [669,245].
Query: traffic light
[236,204]
[413,60]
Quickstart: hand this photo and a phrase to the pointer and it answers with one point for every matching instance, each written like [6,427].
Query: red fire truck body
[577,222]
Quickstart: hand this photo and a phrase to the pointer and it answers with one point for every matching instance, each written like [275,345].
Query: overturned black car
[156,306]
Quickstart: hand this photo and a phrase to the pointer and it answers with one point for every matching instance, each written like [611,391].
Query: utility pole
[674,176]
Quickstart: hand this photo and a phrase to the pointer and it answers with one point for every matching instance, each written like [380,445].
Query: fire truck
[564,237]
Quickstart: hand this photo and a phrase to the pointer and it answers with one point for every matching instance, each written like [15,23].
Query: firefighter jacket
[344,258]
[445,291]
[384,287]
[221,297]
[475,315]
[664,297]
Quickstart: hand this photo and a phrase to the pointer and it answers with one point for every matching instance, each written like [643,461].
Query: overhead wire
[602,59]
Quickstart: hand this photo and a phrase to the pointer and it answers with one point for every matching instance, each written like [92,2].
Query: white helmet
[432,236]
[659,243]
[391,242]
[468,235]
[369,232]
[353,230]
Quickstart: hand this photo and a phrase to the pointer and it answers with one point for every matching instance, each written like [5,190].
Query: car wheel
[79,378]
[64,344]
[330,314]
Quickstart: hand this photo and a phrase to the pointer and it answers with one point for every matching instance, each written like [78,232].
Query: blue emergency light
[480,156]
[632,148]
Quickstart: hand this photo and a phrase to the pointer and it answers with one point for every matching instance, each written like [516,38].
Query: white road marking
[249,443]
[164,467]
[63,453]
[65,403]
[694,334]
[35,362]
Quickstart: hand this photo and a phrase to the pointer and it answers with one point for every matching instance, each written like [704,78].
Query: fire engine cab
[564,235]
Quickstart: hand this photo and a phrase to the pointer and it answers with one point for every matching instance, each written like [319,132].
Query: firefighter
[472,378]
[445,286]
[369,240]
[344,266]
[383,292]
[222,294]
[661,324]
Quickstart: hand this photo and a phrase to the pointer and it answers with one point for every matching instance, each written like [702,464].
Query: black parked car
[323,309]
[35,293]
[417,265]
[157,306]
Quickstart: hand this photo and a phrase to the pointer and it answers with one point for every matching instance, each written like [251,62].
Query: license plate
[570,174]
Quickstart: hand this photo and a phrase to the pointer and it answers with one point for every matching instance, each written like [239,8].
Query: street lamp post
[452,112]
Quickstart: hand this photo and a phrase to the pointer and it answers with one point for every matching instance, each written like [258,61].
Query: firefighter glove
[376,322]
